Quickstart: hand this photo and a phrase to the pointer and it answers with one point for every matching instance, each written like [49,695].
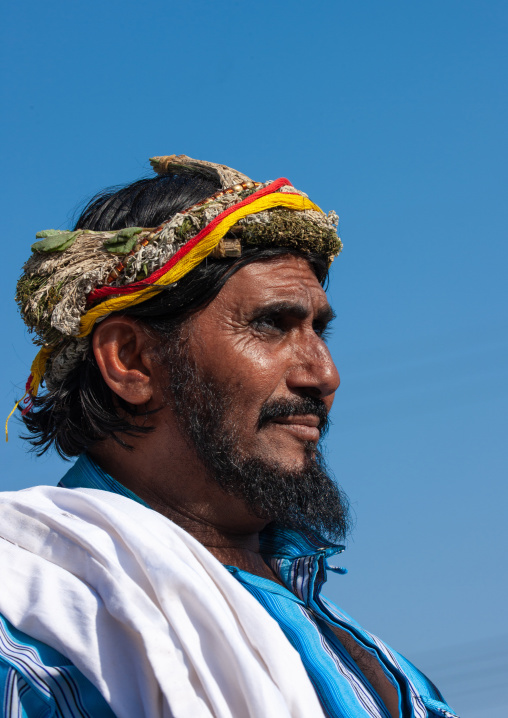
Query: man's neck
[217,520]
[230,548]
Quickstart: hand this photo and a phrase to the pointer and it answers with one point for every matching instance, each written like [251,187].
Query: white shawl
[143,610]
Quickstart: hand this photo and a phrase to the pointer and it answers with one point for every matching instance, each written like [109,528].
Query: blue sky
[392,113]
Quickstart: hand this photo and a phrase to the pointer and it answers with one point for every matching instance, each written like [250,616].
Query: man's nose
[314,371]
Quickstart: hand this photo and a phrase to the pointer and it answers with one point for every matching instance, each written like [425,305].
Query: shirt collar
[299,559]
[86,474]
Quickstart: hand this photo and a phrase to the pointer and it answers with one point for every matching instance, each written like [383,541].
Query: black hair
[82,410]
[147,202]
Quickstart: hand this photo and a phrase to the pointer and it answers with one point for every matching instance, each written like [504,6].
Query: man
[177,568]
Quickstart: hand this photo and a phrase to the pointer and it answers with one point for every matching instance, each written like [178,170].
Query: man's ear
[123,353]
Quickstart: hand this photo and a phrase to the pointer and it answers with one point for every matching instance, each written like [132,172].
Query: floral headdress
[75,278]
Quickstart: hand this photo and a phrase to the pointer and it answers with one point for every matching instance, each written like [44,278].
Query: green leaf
[123,247]
[123,241]
[49,233]
[54,241]
[129,232]
[70,241]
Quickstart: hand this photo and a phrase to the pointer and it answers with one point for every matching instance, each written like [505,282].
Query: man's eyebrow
[300,311]
[326,315]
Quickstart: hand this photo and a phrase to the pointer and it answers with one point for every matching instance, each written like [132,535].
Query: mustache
[280,408]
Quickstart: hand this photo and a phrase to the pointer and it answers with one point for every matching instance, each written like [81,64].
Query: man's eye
[267,323]
[323,331]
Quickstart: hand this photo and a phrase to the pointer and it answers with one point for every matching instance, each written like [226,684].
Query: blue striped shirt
[37,681]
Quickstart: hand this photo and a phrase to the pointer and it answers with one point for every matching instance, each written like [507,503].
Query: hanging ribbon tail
[32,386]
[11,413]
[37,370]
[28,396]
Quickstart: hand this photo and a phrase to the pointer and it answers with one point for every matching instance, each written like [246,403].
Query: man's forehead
[287,279]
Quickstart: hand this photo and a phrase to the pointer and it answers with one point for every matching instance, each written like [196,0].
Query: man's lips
[302,426]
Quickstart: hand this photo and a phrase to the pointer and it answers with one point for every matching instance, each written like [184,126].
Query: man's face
[251,384]
[261,339]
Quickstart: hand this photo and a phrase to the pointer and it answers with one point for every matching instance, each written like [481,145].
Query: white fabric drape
[143,610]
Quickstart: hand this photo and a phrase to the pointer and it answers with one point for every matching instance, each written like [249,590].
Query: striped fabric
[37,681]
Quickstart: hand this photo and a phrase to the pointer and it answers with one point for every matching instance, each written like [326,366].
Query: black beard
[306,499]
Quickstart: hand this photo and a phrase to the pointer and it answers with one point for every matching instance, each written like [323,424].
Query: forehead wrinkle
[277,285]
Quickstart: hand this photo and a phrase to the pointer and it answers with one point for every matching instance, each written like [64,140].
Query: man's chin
[295,494]
[285,450]
[290,462]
